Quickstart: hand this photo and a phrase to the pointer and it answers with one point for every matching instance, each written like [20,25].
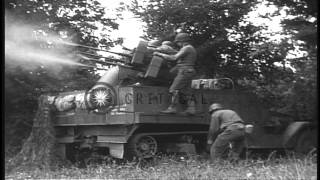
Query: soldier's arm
[158,49]
[213,129]
[152,49]
[182,52]
[167,50]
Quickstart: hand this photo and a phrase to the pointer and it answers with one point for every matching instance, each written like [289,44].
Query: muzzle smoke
[29,48]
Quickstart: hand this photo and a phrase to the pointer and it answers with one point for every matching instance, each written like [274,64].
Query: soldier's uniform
[226,128]
[184,70]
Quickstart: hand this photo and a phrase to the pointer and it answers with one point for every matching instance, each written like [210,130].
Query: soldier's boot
[140,75]
[170,110]
[191,109]
[173,105]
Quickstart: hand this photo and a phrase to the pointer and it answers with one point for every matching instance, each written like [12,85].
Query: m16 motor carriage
[120,116]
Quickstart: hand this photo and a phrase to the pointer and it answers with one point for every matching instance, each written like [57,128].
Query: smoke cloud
[29,47]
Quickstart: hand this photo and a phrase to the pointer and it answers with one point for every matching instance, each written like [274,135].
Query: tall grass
[290,166]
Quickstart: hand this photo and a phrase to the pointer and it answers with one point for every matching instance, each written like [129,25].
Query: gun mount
[121,118]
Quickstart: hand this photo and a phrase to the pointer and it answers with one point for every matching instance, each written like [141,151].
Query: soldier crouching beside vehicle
[226,127]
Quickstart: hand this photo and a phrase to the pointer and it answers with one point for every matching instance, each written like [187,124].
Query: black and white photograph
[160,89]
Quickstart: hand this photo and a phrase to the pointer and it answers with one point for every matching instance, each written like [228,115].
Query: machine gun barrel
[89,47]
[96,67]
[97,56]
[106,63]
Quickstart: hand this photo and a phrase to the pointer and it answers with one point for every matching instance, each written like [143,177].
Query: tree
[301,24]
[74,20]
[231,46]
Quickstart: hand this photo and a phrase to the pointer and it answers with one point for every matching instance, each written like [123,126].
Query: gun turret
[128,70]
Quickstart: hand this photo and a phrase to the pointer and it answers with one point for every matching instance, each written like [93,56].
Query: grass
[184,167]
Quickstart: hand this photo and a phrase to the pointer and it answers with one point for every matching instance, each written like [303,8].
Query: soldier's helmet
[154,43]
[168,43]
[214,107]
[182,37]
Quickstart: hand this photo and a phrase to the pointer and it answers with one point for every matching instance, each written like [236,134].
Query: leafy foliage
[228,44]
[303,27]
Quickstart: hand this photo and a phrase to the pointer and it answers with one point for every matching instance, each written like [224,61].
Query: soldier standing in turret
[184,70]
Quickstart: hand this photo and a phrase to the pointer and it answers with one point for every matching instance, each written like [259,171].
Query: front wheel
[141,146]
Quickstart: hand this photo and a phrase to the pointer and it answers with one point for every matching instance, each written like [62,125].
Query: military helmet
[214,107]
[154,43]
[182,37]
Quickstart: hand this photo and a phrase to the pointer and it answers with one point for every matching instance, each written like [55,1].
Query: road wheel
[306,141]
[142,147]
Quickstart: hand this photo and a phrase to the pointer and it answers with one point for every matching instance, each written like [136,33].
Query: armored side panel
[153,99]
[148,99]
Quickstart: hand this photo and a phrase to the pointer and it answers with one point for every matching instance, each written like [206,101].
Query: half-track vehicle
[120,115]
